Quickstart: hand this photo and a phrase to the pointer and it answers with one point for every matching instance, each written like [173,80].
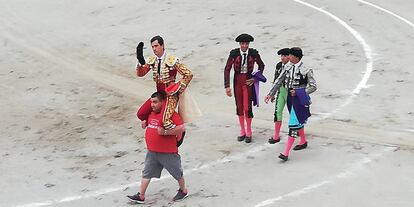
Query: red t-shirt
[159,143]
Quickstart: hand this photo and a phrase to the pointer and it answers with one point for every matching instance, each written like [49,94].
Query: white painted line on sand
[389,12]
[93,194]
[368,55]
[344,174]
[362,84]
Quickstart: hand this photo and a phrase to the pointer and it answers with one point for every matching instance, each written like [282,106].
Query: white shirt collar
[162,57]
[247,52]
[298,64]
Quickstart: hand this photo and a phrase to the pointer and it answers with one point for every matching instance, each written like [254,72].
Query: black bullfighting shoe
[273,141]
[283,157]
[301,146]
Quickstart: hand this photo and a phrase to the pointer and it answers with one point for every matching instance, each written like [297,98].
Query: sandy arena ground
[70,137]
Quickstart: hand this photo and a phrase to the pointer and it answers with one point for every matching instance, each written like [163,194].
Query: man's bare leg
[143,188]
[181,183]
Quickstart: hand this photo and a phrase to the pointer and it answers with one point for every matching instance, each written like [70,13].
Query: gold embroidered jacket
[168,72]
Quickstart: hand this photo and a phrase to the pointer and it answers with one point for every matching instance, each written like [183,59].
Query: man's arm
[144,124]
[311,82]
[186,74]
[177,131]
[259,62]
[142,70]
[261,65]
[227,69]
[278,83]
[277,71]
[141,67]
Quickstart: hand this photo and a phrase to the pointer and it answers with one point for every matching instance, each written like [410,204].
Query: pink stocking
[278,125]
[242,129]
[288,146]
[249,127]
[302,136]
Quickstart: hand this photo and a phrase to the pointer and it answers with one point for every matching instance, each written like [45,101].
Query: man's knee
[293,133]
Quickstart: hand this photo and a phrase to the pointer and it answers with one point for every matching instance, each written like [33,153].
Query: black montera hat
[284,51]
[296,51]
[244,38]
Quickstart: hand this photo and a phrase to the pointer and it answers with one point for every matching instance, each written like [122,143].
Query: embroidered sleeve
[227,70]
[311,82]
[186,73]
[142,70]
[277,71]
[259,62]
[278,83]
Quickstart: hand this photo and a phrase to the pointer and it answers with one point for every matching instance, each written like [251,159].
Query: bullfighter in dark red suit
[242,60]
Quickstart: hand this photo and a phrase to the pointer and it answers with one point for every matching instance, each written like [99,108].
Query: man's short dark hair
[159,39]
[284,51]
[160,95]
[297,52]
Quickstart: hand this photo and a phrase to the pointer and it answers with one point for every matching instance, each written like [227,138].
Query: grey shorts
[156,161]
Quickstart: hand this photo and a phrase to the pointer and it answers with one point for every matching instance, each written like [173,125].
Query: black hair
[296,51]
[160,95]
[284,51]
[159,39]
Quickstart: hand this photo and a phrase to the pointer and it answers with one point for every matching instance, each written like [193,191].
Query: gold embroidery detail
[151,60]
[171,60]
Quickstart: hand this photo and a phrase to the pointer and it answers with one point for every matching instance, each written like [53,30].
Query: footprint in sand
[120,154]
[49,185]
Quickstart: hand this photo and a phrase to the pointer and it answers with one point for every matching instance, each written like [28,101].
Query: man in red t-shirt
[162,149]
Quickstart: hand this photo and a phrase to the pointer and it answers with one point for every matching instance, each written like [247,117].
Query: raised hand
[140,53]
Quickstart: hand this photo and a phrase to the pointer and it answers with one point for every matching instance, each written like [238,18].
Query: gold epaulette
[171,60]
[151,60]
